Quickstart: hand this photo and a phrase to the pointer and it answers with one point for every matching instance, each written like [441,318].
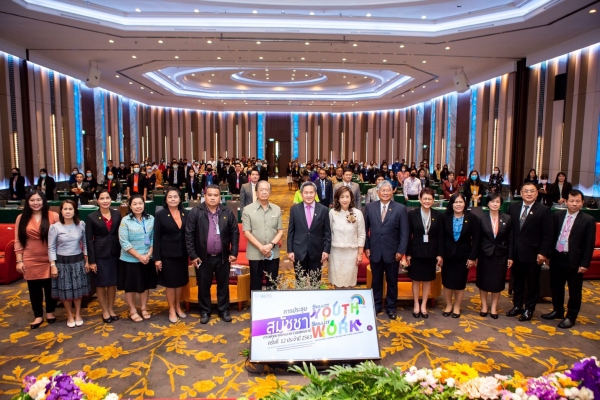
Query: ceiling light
[209,81]
[193,74]
[267,69]
[369,14]
[254,12]
[302,58]
[292,78]
[306,43]
[424,17]
[312,13]
[111,41]
[133,57]
[592,11]
[253,74]
[348,83]
[196,10]
[260,58]
[283,12]
[213,74]
[305,74]
[117,76]
[209,41]
[437,80]
[424,62]
[365,77]
[343,59]
[384,60]
[412,91]
[160,41]
[459,5]
[257,42]
[142,87]
[423,86]
[218,58]
[131,83]
[151,92]
[447,47]
[176,56]
[293,74]
[267,74]
[344,76]
[401,46]
[267,77]
[354,45]
[138,10]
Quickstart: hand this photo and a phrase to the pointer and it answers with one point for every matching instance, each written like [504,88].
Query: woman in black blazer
[46,184]
[16,185]
[494,255]
[425,249]
[170,252]
[102,238]
[192,185]
[559,191]
[112,185]
[461,241]
[474,189]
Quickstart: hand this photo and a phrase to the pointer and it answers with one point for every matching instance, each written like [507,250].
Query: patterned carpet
[157,359]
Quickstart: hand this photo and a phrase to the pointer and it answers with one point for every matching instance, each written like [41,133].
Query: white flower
[421,374]
[586,394]
[515,396]
[411,378]
[533,397]
[450,382]
[430,379]
[412,369]
[519,392]
[112,396]
[38,390]
[488,387]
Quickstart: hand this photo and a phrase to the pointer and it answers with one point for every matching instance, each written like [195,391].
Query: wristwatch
[274,244]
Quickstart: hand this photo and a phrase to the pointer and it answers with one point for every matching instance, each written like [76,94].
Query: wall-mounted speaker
[461,82]
[93,78]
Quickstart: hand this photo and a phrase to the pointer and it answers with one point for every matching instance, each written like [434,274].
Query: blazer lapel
[390,209]
[531,212]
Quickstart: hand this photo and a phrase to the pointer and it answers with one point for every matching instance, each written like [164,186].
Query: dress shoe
[181,315]
[114,318]
[391,314]
[513,312]
[225,316]
[566,323]
[204,318]
[447,313]
[526,316]
[35,326]
[51,320]
[79,323]
[553,315]
[483,314]
[455,315]
[424,315]
[416,314]
[494,316]
[107,320]
[71,324]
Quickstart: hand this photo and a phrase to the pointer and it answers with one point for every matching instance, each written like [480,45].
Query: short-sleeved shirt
[263,225]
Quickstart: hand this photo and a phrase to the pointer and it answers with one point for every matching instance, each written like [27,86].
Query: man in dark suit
[532,239]
[347,181]
[573,246]
[263,171]
[81,190]
[110,167]
[226,171]
[176,176]
[325,189]
[16,185]
[122,172]
[236,179]
[46,184]
[386,224]
[248,190]
[309,232]
[136,183]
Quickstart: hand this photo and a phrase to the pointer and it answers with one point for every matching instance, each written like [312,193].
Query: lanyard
[426,221]
[143,224]
[494,225]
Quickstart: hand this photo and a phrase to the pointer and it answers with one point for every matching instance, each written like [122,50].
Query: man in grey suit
[248,190]
[347,181]
[386,224]
[309,232]
[373,194]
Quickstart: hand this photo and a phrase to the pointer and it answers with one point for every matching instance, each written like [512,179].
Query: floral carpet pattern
[158,359]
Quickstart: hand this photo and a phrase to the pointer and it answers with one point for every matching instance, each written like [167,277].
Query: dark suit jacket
[85,196]
[141,184]
[204,180]
[435,246]
[246,195]
[192,187]
[502,244]
[536,235]
[546,197]
[50,186]
[263,173]
[556,194]
[232,181]
[196,233]
[122,173]
[169,239]
[385,239]
[581,238]
[20,187]
[115,187]
[328,199]
[100,242]
[303,241]
[180,178]
[114,170]
[468,194]
[468,242]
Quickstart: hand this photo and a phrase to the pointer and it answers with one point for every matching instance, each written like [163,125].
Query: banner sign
[313,325]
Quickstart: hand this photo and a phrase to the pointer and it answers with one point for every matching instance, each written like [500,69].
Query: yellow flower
[45,336]
[108,352]
[590,335]
[178,330]
[14,337]
[93,391]
[204,355]
[204,386]
[401,327]
[460,372]
[95,374]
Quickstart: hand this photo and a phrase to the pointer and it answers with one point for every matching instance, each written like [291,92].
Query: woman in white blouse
[347,239]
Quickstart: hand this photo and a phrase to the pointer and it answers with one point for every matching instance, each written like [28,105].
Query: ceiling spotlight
[176,56]
[267,69]
[254,12]
[196,10]
[292,78]
[437,80]
[209,41]
[160,41]
[117,76]
[260,58]
[218,58]
[593,11]
[111,41]
[209,81]
[412,91]
[312,13]
[213,74]
[401,46]
[253,74]
[423,86]
[142,87]
[384,60]
[306,43]
[424,62]
[267,74]
[267,77]
[151,92]
[293,74]
[257,42]
[354,45]
[138,10]
[344,76]
[343,59]
[424,17]
[133,57]
[365,77]
[369,14]
[293,70]
[302,58]
[131,83]
[305,74]
[447,47]
[348,83]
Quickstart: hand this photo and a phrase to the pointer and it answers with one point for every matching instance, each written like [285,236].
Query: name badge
[218,230]
[563,240]
[425,238]
[146,240]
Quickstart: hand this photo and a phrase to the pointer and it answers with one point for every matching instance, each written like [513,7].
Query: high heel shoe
[495,316]
[455,315]
[424,315]
[35,326]
[483,314]
[446,313]
[107,320]
[51,320]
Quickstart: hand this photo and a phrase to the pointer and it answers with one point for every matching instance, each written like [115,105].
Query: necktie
[383,212]
[237,183]
[322,189]
[109,185]
[253,193]
[564,235]
[309,216]
[523,217]
[175,177]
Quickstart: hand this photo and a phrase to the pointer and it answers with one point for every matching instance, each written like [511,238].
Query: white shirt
[412,186]
[573,216]
[523,208]
[387,206]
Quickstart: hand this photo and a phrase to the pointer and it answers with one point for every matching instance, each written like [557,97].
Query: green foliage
[366,380]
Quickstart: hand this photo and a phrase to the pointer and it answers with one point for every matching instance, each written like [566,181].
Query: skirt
[342,266]
[136,277]
[174,273]
[290,179]
[107,272]
[72,282]
[454,273]
[422,269]
[491,273]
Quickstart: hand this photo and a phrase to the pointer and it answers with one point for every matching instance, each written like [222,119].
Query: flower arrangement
[451,381]
[351,218]
[60,386]
[299,280]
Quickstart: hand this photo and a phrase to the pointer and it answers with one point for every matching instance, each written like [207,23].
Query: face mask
[122,165]
[110,177]
[175,166]
[15,173]
[543,181]
[88,175]
[258,164]
[474,177]
[495,173]
[43,176]
[136,170]
[209,170]
[413,175]
[74,172]
[149,171]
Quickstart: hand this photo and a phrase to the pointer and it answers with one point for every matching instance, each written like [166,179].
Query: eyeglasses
[529,191]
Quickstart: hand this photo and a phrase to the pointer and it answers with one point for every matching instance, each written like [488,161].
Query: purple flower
[28,381]
[62,387]
[587,373]
[542,388]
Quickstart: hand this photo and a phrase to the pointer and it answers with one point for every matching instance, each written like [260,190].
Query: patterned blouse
[136,235]
[457,224]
